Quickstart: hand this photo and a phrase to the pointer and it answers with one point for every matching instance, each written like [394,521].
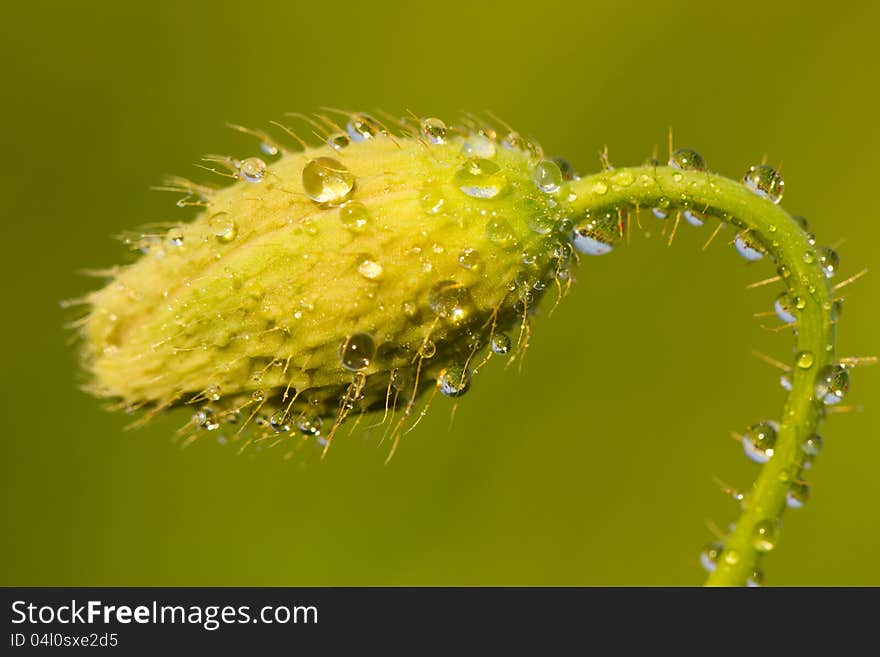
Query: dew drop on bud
[501,343]
[478,146]
[361,127]
[252,170]
[354,216]
[454,381]
[805,359]
[748,248]
[356,352]
[597,235]
[280,422]
[566,167]
[797,495]
[765,535]
[450,301]
[785,308]
[832,384]
[759,441]
[338,140]
[480,178]
[223,227]
[205,418]
[434,130]
[687,159]
[710,555]
[828,260]
[326,180]
[755,579]
[694,218]
[765,181]
[547,176]
[812,445]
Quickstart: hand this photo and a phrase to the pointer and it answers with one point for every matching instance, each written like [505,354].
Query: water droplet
[660,213]
[756,579]
[801,221]
[258,396]
[205,418]
[354,216]
[454,381]
[309,424]
[785,381]
[748,248]
[451,301]
[568,172]
[361,127]
[480,178]
[812,445]
[409,309]
[369,268]
[500,232]
[434,130]
[730,556]
[223,227]
[785,308]
[213,393]
[805,359]
[597,235]
[694,218]
[547,176]
[829,260]
[687,159]
[280,422]
[832,384]
[427,349]
[501,343]
[759,441]
[175,238]
[765,181]
[710,555]
[470,259]
[765,535]
[252,170]
[357,351]
[326,180]
[809,257]
[784,272]
[337,141]
[797,495]
[478,146]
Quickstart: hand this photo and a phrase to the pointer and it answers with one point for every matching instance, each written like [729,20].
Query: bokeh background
[592,466]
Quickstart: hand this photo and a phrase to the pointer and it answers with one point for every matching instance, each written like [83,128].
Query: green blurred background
[592,466]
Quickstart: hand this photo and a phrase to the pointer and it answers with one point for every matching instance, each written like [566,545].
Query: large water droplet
[759,441]
[597,235]
[252,170]
[805,359]
[765,535]
[687,159]
[501,343]
[451,301]
[829,260]
[547,176]
[832,384]
[480,178]
[280,421]
[748,248]
[326,180]
[434,131]
[357,351]
[454,380]
[797,495]
[765,181]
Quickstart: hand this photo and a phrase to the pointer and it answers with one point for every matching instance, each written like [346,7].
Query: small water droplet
[309,424]
[470,259]
[338,140]
[454,381]
[784,272]
[809,257]
[478,146]
[499,232]
[755,579]
[805,359]
[748,248]
[797,495]
[480,178]
[427,349]
[205,418]
[501,343]
[326,180]
[434,130]
[357,351]
[258,396]
[547,176]
[785,308]
[354,216]
[694,218]
[280,422]
[361,127]
[597,235]
[369,268]
[812,445]
[451,301]
[829,260]
[223,227]
[765,535]
[832,384]
[759,441]
[175,237]
[765,181]
[252,170]
[785,381]
[687,159]
[213,393]
[710,555]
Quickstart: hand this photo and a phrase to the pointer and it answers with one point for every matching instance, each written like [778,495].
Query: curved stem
[673,190]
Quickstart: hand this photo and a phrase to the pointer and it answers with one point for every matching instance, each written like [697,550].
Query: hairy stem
[629,189]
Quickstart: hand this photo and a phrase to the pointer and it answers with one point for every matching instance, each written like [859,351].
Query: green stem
[673,190]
